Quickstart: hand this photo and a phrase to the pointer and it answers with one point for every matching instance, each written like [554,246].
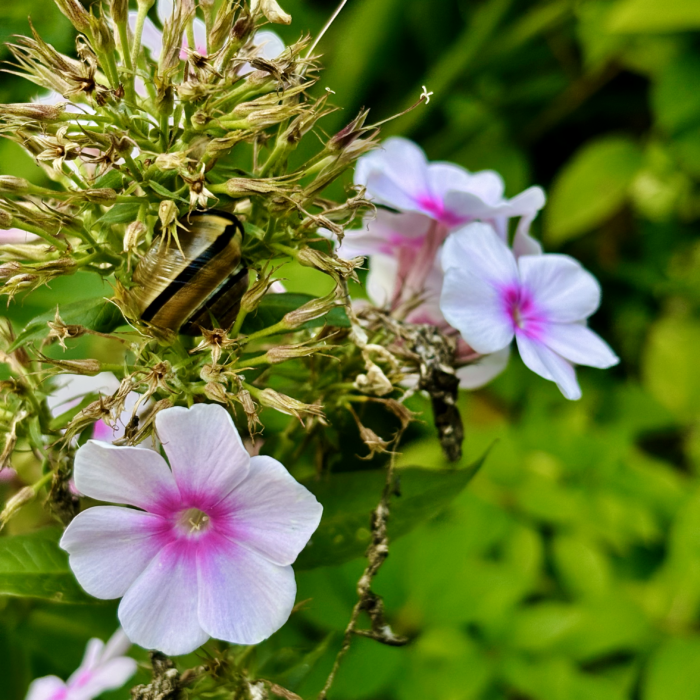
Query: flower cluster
[439,254]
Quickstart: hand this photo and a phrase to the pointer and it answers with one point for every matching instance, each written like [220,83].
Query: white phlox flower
[104,667]
[491,296]
[206,548]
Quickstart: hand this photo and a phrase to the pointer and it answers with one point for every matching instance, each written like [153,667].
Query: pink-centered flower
[491,296]
[104,667]
[399,175]
[208,553]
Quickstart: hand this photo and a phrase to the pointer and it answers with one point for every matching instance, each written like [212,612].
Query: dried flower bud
[102,195]
[272,11]
[374,382]
[256,292]
[119,10]
[61,331]
[331,265]
[215,392]
[87,367]
[20,499]
[33,111]
[349,133]
[288,405]
[9,269]
[311,310]
[167,212]
[77,15]
[222,26]
[171,161]
[134,231]
[282,353]
[102,37]
[14,185]
[5,220]
[244,187]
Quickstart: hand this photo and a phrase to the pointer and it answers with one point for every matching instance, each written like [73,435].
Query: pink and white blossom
[399,175]
[104,667]
[207,546]
[491,296]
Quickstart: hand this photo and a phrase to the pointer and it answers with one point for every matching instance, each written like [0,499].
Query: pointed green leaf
[34,566]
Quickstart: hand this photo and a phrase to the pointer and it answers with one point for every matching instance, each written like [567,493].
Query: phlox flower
[206,549]
[411,273]
[104,667]
[399,175]
[270,45]
[491,296]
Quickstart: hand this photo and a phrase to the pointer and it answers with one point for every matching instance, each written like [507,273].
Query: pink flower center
[436,208]
[193,522]
[520,307]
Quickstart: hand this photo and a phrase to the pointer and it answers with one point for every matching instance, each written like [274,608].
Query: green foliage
[33,566]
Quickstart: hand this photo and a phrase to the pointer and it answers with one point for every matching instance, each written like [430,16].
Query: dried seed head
[330,264]
[14,185]
[272,11]
[215,392]
[288,405]
[311,310]
[33,111]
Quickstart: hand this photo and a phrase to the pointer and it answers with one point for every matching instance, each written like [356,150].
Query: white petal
[110,547]
[164,9]
[46,688]
[443,177]
[244,598]
[273,513]
[580,345]
[72,387]
[396,174]
[159,611]
[108,676]
[545,362]
[488,185]
[16,235]
[205,451]
[132,475]
[381,279]
[524,243]
[117,645]
[91,658]
[199,30]
[527,202]
[479,266]
[483,370]
[561,289]
[271,46]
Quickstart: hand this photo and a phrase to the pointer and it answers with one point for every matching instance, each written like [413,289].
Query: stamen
[194,520]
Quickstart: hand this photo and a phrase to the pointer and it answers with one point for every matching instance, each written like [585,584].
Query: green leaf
[654,16]
[592,186]
[349,498]
[96,314]
[674,671]
[675,97]
[120,214]
[34,566]
[273,307]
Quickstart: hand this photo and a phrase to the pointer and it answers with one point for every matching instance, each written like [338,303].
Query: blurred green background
[570,567]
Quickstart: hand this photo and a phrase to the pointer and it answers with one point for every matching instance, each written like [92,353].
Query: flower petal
[132,475]
[108,676]
[580,345]
[164,8]
[205,451]
[199,29]
[482,371]
[443,177]
[101,536]
[273,513]
[395,174]
[159,611]
[243,597]
[46,688]
[545,362]
[562,290]
[271,46]
[479,266]
[381,279]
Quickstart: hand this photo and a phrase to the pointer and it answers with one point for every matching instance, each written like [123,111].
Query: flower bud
[86,367]
[288,405]
[38,112]
[5,220]
[256,292]
[77,15]
[119,10]
[222,26]
[101,195]
[215,392]
[282,353]
[21,498]
[9,268]
[167,212]
[272,11]
[245,186]
[102,37]
[331,265]
[14,185]
[311,310]
[171,161]
[134,231]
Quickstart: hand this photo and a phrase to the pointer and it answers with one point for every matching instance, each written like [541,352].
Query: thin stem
[138,31]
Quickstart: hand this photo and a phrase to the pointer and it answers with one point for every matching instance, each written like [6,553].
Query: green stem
[138,31]
[239,322]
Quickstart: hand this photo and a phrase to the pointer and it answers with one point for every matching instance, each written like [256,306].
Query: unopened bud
[102,37]
[77,15]
[102,195]
[256,292]
[119,10]
[87,367]
[38,112]
[244,187]
[288,405]
[167,212]
[282,353]
[349,133]
[5,220]
[331,265]
[311,310]
[272,11]
[134,231]
[14,185]
[215,392]
[21,498]
[171,161]
[222,26]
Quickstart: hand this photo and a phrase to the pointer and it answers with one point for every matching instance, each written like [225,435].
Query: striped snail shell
[197,284]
